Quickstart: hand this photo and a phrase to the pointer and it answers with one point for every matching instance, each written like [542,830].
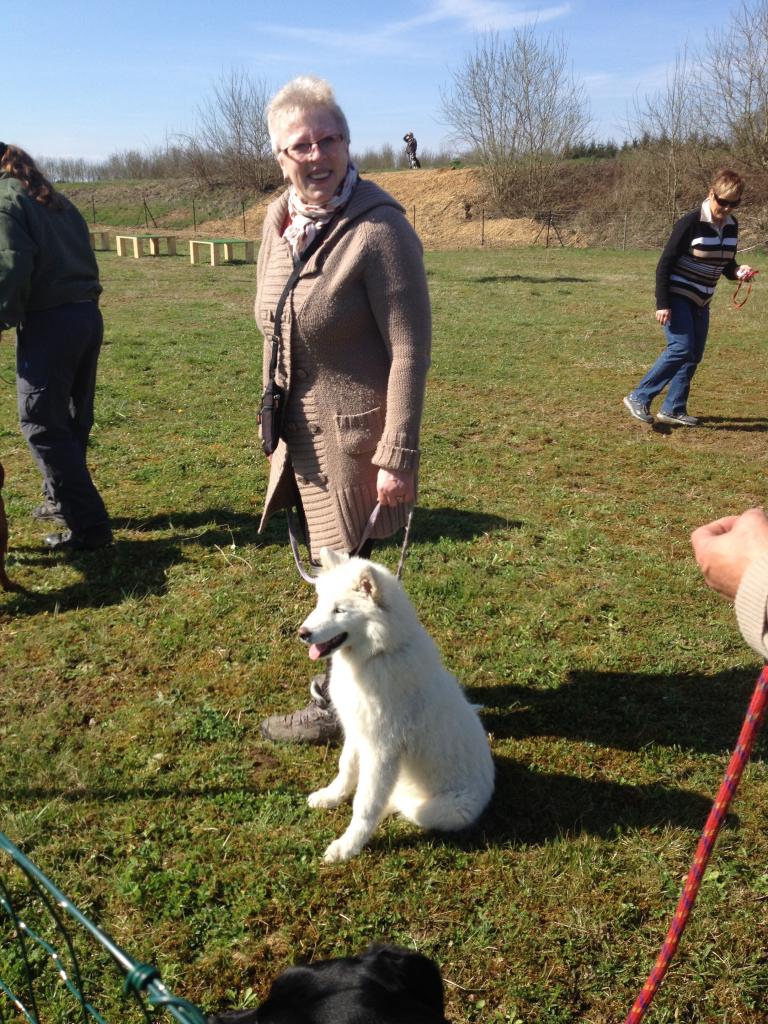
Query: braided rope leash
[753,723]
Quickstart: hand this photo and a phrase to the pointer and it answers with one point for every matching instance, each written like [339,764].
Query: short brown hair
[727,183]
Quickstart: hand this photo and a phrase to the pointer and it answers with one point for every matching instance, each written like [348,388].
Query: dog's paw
[325,798]
[338,851]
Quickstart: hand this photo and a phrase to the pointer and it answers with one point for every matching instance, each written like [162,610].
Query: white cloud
[465,15]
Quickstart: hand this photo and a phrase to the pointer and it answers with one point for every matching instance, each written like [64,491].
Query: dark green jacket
[45,254]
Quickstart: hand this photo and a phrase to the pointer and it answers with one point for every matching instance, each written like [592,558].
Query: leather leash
[309,577]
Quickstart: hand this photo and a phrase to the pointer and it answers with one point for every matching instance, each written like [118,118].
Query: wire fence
[449,223]
[57,965]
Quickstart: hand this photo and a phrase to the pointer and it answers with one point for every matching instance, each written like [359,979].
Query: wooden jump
[136,243]
[100,237]
[220,250]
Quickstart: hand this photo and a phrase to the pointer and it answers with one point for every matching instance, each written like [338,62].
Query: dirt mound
[447,208]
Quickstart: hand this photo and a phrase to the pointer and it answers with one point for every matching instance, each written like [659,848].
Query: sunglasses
[729,204]
[303,150]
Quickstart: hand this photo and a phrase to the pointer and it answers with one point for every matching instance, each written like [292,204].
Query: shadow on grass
[526,279]
[754,425]
[528,807]
[431,524]
[137,567]
[628,711]
[533,807]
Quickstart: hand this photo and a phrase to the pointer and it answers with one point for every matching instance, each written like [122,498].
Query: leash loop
[311,577]
[753,723]
[734,301]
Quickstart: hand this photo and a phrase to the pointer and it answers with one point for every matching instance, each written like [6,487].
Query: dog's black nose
[304,634]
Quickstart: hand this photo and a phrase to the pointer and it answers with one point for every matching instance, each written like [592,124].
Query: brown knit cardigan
[354,358]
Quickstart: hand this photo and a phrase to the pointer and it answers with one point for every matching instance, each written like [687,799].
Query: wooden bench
[102,237]
[220,250]
[137,244]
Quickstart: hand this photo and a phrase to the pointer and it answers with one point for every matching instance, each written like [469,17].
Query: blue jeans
[57,352]
[674,369]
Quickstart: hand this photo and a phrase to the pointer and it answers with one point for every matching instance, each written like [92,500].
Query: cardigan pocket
[358,433]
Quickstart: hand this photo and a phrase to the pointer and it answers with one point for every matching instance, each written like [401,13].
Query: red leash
[749,279]
[753,723]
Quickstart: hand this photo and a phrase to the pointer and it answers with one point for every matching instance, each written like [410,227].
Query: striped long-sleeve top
[695,256]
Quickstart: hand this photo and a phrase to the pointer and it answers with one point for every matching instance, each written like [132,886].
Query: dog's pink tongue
[314,652]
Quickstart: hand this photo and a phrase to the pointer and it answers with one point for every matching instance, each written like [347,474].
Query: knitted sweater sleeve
[396,285]
[752,604]
[677,243]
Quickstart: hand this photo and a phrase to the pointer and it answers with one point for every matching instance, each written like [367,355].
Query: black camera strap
[277,331]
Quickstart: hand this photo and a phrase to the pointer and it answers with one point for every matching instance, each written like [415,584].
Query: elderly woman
[49,291]
[701,247]
[353,351]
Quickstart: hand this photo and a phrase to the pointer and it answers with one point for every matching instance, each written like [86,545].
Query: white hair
[299,96]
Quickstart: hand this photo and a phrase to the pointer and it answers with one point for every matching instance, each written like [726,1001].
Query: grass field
[551,563]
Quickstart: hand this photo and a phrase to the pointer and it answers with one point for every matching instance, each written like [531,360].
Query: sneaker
[681,419]
[638,409]
[312,724]
[50,512]
[87,541]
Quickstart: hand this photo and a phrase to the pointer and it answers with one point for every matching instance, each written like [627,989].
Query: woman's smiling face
[317,175]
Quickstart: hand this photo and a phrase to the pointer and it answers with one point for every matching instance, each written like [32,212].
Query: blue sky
[89,77]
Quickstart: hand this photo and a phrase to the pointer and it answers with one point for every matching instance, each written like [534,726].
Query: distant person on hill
[410,150]
[733,555]
[49,291]
[702,246]
[346,345]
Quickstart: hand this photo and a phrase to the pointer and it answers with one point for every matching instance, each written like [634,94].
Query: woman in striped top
[702,246]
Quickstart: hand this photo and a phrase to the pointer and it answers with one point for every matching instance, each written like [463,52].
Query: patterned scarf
[307,219]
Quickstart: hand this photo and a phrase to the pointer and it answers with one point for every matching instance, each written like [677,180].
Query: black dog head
[384,985]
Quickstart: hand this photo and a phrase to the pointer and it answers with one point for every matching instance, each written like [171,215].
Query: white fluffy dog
[412,742]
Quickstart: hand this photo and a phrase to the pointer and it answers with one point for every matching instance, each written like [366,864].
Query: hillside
[437,202]
[446,206]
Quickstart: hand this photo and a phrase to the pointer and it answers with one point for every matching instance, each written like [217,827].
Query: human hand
[394,487]
[725,547]
[745,272]
[663,316]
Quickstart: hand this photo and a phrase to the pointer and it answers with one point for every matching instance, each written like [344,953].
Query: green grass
[551,563]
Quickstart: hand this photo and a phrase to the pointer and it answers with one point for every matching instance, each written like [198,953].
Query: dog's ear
[368,584]
[329,558]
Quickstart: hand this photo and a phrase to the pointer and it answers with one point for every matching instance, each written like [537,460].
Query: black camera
[271,416]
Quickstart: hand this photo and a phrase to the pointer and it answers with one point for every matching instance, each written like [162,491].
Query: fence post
[482,226]
[93,207]
[242,203]
[549,221]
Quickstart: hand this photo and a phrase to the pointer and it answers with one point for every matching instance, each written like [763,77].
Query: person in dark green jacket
[49,291]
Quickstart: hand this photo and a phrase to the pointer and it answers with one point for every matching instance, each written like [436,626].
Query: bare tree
[671,121]
[517,104]
[231,144]
[736,94]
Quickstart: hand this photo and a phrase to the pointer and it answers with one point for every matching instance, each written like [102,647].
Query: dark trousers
[56,357]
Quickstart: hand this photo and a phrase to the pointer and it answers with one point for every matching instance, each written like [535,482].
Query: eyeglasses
[303,150]
[727,203]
